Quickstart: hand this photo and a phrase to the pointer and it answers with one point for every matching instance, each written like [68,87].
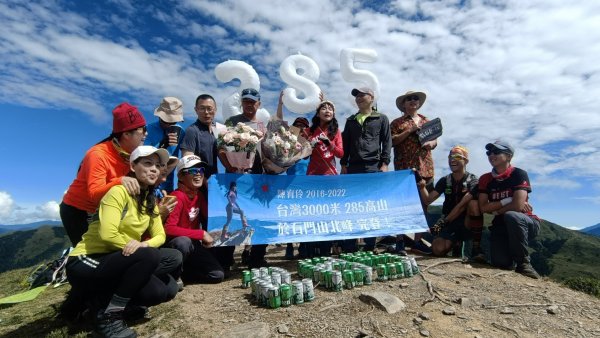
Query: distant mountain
[593,230]
[4,228]
[22,249]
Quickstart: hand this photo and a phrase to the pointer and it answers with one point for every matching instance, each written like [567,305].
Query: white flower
[287,145]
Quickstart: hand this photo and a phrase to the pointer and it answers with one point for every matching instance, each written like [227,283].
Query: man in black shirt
[504,193]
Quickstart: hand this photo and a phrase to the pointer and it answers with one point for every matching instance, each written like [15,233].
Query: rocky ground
[470,301]
[448,299]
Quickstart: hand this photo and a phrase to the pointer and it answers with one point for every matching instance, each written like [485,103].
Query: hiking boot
[111,325]
[527,270]
[136,312]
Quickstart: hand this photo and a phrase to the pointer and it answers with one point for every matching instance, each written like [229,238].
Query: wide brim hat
[400,99]
[145,151]
[170,110]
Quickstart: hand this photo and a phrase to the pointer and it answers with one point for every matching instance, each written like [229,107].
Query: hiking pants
[75,222]
[510,236]
[199,264]
[101,276]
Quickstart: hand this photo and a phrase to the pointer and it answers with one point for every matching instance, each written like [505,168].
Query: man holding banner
[367,145]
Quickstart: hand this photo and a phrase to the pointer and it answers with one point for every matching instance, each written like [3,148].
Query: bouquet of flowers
[282,148]
[240,141]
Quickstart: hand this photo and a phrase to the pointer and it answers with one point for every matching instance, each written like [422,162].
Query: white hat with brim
[170,110]
[400,99]
[145,151]
[190,161]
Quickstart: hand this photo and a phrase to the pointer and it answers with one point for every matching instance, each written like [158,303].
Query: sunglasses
[194,171]
[456,157]
[495,152]
[412,98]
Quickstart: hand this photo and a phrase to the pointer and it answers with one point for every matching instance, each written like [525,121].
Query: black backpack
[50,273]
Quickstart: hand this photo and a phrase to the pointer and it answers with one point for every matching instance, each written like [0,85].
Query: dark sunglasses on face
[412,98]
[194,171]
[494,151]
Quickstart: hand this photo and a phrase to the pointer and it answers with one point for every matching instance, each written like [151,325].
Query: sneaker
[527,270]
[111,325]
[477,256]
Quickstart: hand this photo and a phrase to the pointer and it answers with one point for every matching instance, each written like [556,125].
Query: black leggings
[100,276]
[75,222]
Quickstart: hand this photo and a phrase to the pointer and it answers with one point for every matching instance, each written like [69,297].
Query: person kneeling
[461,219]
[111,265]
[183,226]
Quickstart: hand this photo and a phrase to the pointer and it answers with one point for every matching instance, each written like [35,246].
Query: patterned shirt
[409,154]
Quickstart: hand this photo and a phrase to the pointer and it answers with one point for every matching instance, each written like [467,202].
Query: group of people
[137,237]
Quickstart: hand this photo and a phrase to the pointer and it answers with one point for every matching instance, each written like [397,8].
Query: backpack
[54,272]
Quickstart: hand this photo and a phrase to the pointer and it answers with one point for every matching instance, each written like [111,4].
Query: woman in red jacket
[325,136]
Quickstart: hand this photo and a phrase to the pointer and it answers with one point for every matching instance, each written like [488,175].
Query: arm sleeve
[111,209]
[156,230]
[386,141]
[522,180]
[473,186]
[440,186]
[172,227]
[96,171]
[338,146]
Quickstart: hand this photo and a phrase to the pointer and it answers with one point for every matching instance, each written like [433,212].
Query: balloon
[348,57]
[233,69]
[304,83]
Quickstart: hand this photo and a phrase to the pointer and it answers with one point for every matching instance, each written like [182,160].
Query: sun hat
[170,110]
[364,90]
[127,117]
[189,161]
[145,151]
[251,93]
[503,146]
[400,99]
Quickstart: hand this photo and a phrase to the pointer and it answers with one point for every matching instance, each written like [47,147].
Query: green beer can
[246,279]
[382,273]
[274,298]
[359,277]
[348,276]
[285,292]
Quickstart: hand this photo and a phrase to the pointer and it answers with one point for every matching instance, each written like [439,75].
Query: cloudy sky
[524,71]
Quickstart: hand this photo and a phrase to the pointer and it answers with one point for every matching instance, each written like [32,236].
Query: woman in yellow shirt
[113,264]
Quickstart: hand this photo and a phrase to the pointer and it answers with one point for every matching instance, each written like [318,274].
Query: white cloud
[12,213]
[6,204]
[526,72]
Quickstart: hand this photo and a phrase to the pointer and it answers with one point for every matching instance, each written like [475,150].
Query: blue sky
[522,71]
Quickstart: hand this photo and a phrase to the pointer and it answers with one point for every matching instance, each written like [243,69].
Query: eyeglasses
[194,171]
[201,109]
[495,152]
[412,98]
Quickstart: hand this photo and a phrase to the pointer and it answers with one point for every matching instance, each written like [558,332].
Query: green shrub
[584,284]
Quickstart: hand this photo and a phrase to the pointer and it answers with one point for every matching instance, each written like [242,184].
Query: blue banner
[269,209]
